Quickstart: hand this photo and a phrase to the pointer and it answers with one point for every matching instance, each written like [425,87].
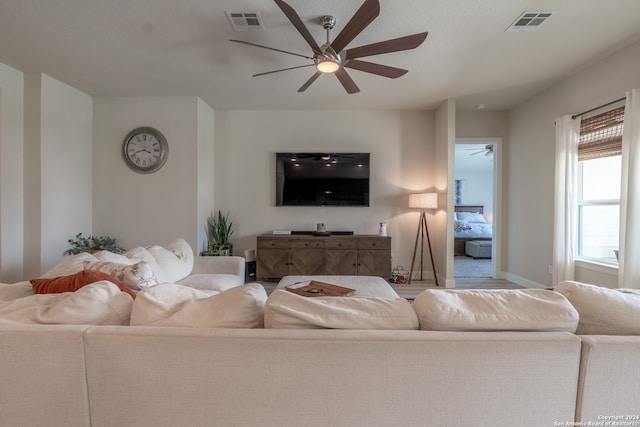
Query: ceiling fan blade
[308,82]
[297,22]
[283,69]
[387,46]
[380,70]
[271,48]
[346,80]
[369,11]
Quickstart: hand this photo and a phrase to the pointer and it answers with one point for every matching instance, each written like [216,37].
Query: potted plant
[219,231]
[92,244]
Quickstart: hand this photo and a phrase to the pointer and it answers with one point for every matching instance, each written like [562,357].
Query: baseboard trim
[524,282]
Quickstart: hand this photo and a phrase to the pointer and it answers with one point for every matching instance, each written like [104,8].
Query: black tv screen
[322,179]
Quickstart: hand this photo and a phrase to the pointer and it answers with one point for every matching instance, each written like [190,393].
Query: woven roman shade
[601,135]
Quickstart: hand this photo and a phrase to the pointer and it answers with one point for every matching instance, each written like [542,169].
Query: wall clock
[145,149]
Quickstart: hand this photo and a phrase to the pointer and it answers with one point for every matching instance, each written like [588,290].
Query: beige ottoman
[365,286]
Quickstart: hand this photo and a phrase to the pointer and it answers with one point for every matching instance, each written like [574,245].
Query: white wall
[144,209]
[205,180]
[531,158]
[402,161]
[66,132]
[11,174]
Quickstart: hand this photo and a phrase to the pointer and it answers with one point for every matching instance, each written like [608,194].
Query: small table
[365,286]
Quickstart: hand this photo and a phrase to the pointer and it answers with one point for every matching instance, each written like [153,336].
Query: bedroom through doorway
[475,211]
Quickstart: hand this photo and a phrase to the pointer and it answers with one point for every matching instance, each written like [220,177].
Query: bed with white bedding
[470,224]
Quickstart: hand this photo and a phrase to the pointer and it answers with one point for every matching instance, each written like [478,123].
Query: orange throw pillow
[74,282]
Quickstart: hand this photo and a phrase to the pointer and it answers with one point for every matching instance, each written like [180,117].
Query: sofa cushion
[72,283]
[603,311]
[494,310]
[215,282]
[136,276]
[286,310]
[100,303]
[170,304]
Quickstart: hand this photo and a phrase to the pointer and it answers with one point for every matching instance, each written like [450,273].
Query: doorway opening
[477,200]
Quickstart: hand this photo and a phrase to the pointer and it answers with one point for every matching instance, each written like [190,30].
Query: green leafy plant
[92,244]
[219,231]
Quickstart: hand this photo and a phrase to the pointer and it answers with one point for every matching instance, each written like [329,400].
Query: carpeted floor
[464,266]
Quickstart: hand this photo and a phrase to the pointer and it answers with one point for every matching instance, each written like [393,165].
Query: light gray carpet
[464,266]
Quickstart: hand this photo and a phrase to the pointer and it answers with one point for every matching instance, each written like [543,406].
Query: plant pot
[226,250]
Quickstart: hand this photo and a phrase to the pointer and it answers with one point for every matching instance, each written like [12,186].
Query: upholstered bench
[478,248]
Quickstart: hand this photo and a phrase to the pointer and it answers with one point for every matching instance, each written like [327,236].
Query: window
[599,180]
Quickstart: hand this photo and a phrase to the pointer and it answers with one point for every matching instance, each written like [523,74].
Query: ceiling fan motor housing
[328,22]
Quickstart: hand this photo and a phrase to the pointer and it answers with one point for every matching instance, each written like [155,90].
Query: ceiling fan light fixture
[326,65]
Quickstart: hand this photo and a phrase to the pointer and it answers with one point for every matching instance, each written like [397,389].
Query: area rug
[464,266]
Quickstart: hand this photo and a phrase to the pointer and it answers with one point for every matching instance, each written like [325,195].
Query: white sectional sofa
[485,358]
[172,263]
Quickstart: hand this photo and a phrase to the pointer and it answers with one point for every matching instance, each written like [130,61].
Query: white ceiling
[181,47]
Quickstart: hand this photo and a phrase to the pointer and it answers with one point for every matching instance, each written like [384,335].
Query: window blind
[601,135]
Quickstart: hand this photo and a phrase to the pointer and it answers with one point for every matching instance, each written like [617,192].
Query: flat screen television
[322,179]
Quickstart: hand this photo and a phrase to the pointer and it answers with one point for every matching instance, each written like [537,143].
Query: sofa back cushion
[170,304]
[286,310]
[71,265]
[494,310]
[603,311]
[99,303]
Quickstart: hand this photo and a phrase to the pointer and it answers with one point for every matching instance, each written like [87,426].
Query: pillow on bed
[471,217]
[74,282]
[461,226]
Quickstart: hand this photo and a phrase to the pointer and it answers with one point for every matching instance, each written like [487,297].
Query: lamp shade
[423,200]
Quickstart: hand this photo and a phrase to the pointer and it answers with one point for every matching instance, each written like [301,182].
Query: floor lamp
[423,201]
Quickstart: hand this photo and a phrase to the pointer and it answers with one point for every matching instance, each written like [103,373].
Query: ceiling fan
[332,58]
[487,150]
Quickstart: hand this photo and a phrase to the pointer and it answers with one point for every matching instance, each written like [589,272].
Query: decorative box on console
[478,248]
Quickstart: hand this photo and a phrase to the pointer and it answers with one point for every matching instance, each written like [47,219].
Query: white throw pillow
[13,291]
[136,276]
[140,253]
[286,310]
[494,310]
[603,311]
[176,259]
[169,304]
[106,256]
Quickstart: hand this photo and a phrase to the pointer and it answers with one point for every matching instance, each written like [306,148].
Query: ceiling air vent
[245,21]
[529,21]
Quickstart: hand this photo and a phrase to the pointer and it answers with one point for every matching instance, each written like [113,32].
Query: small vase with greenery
[219,231]
[92,244]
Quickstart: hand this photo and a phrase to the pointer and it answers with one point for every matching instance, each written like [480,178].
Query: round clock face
[145,150]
